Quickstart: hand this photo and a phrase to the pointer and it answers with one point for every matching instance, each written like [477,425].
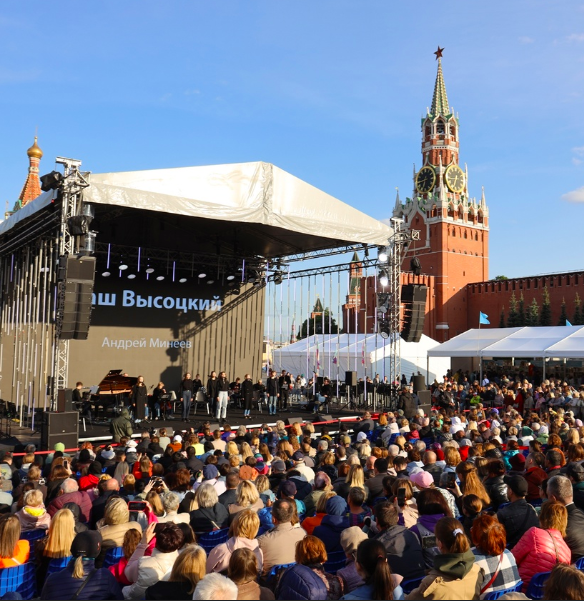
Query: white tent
[367,354]
[527,342]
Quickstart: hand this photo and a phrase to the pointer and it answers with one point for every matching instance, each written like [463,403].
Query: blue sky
[332,92]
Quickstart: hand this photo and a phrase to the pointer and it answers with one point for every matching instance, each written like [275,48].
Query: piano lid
[116,383]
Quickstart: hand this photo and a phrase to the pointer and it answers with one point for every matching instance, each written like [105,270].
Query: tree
[316,326]
[578,317]
[563,314]
[545,317]
[532,317]
[521,311]
[502,318]
[513,318]
[501,278]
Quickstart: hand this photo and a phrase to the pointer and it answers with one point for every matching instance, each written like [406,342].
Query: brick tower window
[440,126]
[453,132]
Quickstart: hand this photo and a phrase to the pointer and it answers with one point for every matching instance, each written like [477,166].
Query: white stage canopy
[255,192]
[367,354]
[526,342]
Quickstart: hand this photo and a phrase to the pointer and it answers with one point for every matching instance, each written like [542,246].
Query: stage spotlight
[416,266]
[229,278]
[78,225]
[383,278]
[383,327]
[149,269]
[383,257]
[278,277]
[383,302]
[123,265]
[202,275]
[132,276]
[106,274]
[160,278]
[51,181]
[210,281]
[183,280]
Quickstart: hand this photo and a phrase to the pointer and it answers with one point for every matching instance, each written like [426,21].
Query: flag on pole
[568,323]
[336,357]
[484,319]
[363,353]
[317,360]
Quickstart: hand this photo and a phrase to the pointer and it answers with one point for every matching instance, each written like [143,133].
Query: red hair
[488,535]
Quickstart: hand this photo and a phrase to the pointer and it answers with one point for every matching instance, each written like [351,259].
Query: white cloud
[524,39]
[192,92]
[578,150]
[574,195]
[575,37]
[576,161]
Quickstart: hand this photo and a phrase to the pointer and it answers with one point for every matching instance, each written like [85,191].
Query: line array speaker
[413,298]
[79,278]
[60,427]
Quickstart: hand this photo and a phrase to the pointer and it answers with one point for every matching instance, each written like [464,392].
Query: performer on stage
[156,403]
[222,396]
[185,391]
[247,395]
[284,381]
[212,391]
[139,399]
[273,394]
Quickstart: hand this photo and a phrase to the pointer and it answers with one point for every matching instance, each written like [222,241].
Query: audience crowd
[477,497]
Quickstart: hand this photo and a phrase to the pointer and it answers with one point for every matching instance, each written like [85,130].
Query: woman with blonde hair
[355,477]
[243,571]
[452,458]
[186,573]
[57,543]
[59,473]
[265,453]
[33,514]
[13,550]
[210,514]
[296,429]
[114,525]
[245,451]
[231,450]
[242,535]
[247,497]
[470,484]
[132,539]
[310,523]
[129,486]
[156,503]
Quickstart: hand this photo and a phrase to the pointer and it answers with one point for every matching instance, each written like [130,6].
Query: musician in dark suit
[156,402]
[139,399]
[284,382]
[247,395]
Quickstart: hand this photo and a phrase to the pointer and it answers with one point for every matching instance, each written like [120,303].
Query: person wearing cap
[518,516]
[288,491]
[278,474]
[80,579]
[333,524]
[517,463]
[121,426]
[575,473]
[404,552]
[210,475]
[351,538]
[306,472]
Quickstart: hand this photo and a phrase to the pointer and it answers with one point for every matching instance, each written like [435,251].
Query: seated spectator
[322,484]
[90,480]
[81,571]
[210,476]
[471,507]
[242,535]
[215,586]
[541,548]
[495,485]
[333,524]
[455,574]
[311,553]
[288,491]
[247,497]
[144,571]
[350,541]
[106,490]
[358,511]
[114,525]
[57,543]
[310,523]
[575,473]
[497,562]
[170,503]
[243,571]
[188,570]
[518,516]
[559,488]
[33,515]
[263,485]
[131,541]
[404,552]
[429,460]
[372,565]
[565,582]
[278,545]
[34,478]
[300,582]
[409,511]
[470,484]
[70,493]
[13,551]
[59,473]
[210,514]
[534,474]
[232,481]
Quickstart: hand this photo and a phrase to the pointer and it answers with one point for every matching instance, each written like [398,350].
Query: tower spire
[32,185]
[439,99]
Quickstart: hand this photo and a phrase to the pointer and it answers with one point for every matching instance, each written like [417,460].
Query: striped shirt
[508,576]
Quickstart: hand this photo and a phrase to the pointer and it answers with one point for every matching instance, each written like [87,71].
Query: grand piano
[112,390]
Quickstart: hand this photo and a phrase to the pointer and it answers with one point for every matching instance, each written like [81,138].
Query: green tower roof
[439,99]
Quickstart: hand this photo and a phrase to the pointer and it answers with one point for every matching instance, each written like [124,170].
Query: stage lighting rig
[51,181]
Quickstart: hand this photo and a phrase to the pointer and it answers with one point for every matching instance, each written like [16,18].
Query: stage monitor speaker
[65,400]
[323,417]
[414,300]
[351,378]
[419,383]
[79,280]
[294,420]
[60,427]
[425,397]
[214,427]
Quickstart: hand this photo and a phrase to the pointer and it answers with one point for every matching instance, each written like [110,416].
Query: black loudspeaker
[65,400]
[419,383]
[351,378]
[79,279]
[214,427]
[413,298]
[425,397]
[60,427]
[323,417]
[294,420]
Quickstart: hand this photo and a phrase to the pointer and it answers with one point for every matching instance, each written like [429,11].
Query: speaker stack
[65,400]
[413,298]
[78,274]
[60,427]
[351,378]
[419,383]
[425,397]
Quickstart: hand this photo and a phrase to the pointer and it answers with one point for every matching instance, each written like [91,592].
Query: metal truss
[283,275]
[329,252]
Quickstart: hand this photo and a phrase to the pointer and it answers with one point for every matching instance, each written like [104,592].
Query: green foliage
[545,317]
[513,317]
[563,314]
[578,318]
[317,326]
[502,318]
[532,317]
[521,318]
[501,278]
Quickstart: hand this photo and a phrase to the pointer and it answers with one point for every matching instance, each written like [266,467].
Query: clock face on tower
[454,177]
[425,179]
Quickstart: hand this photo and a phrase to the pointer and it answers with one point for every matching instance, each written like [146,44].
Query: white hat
[361,436]
[108,454]
[131,444]
[177,438]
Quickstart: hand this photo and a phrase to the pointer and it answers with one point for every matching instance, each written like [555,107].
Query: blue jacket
[330,531]
[62,585]
[366,592]
[300,582]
